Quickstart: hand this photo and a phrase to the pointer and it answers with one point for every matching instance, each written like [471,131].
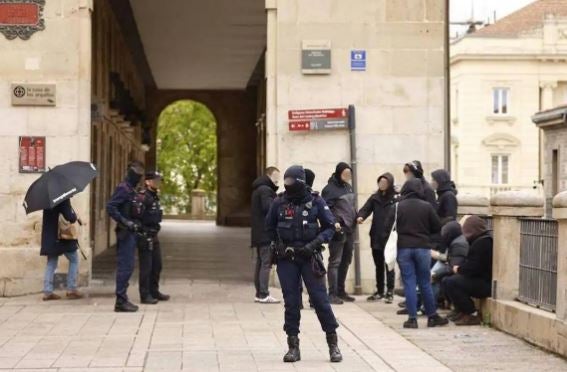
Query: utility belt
[146,240]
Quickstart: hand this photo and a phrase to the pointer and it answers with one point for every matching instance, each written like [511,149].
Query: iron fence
[538,263]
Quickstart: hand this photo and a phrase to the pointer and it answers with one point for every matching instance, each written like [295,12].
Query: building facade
[500,76]
[115,65]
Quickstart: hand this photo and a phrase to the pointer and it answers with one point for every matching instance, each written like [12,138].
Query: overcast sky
[483,10]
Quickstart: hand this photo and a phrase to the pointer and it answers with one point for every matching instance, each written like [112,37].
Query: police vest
[297,224]
[135,206]
[152,215]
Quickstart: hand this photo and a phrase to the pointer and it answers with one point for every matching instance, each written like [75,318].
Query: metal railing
[538,263]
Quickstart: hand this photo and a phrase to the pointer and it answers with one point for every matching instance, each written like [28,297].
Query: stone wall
[399,99]
[555,139]
[60,55]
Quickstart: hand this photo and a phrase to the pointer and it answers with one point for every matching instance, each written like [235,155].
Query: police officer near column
[293,223]
[122,208]
[149,251]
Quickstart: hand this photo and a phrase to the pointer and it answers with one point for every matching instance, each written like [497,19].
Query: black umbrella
[58,185]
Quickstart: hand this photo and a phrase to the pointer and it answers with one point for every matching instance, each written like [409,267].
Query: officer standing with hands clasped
[122,208]
[293,224]
[149,251]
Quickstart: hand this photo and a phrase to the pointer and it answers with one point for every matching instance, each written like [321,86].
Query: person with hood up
[379,205]
[263,194]
[122,208]
[446,195]
[474,276]
[341,199]
[414,169]
[298,224]
[458,248]
[416,222]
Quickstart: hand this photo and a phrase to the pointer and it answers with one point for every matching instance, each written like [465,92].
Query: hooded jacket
[417,220]
[339,196]
[264,193]
[379,205]
[458,246]
[478,263]
[446,196]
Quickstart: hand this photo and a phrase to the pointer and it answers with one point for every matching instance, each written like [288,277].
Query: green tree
[187,154]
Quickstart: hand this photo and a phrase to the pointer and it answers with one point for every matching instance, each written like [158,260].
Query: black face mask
[132,177]
[295,191]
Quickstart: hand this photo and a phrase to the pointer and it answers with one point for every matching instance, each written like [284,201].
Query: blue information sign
[358,60]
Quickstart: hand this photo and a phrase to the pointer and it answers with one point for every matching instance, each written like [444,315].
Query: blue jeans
[72,274]
[290,273]
[415,267]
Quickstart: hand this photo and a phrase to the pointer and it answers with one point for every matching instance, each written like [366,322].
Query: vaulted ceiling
[211,44]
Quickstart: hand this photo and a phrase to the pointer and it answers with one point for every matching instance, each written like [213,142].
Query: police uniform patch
[305,213]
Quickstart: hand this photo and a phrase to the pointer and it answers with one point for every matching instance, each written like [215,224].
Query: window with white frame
[500,164]
[500,101]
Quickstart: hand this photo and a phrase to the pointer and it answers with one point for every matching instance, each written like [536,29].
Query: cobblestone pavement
[211,325]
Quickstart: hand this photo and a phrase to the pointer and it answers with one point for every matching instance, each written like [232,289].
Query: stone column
[470,204]
[272,148]
[507,207]
[560,214]
[198,203]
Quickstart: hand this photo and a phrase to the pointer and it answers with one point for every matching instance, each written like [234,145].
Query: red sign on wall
[19,14]
[32,154]
[317,114]
[318,119]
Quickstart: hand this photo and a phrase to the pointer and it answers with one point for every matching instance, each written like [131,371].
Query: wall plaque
[33,94]
[32,154]
[21,18]
[316,57]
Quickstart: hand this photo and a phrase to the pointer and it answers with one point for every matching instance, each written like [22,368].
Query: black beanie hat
[340,169]
[309,177]
[296,172]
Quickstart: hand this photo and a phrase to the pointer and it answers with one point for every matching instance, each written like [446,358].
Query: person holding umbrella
[59,236]
[123,207]
[53,245]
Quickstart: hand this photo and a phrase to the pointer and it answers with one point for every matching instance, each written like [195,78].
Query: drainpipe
[447,115]
[353,164]
[272,135]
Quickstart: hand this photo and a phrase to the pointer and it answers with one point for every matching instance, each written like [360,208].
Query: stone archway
[235,112]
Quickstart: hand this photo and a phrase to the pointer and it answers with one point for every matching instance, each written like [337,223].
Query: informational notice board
[318,119]
[32,154]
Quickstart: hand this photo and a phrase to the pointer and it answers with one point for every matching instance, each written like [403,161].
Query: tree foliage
[187,154]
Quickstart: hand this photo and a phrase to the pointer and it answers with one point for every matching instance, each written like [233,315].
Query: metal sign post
[353,164]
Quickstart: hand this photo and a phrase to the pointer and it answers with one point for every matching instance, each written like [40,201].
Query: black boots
[293,354]
[125,307]
[334,352]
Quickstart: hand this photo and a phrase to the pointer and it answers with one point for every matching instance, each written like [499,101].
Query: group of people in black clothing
[440,260]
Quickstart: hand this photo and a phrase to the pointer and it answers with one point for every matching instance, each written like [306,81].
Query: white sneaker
[268,300]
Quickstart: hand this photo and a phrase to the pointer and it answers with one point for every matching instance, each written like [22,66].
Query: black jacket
[447,204]
[50,244]
[339,196]
[379,206]
[417,220]
[262,197]
[478,263]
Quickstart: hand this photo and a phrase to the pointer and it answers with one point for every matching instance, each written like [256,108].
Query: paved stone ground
[211,325]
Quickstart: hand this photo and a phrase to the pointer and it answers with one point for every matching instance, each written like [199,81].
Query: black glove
[309,249]
[131,225]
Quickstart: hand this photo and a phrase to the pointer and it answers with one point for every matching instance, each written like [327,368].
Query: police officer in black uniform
[149,251]
[293,223]
[123,208]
